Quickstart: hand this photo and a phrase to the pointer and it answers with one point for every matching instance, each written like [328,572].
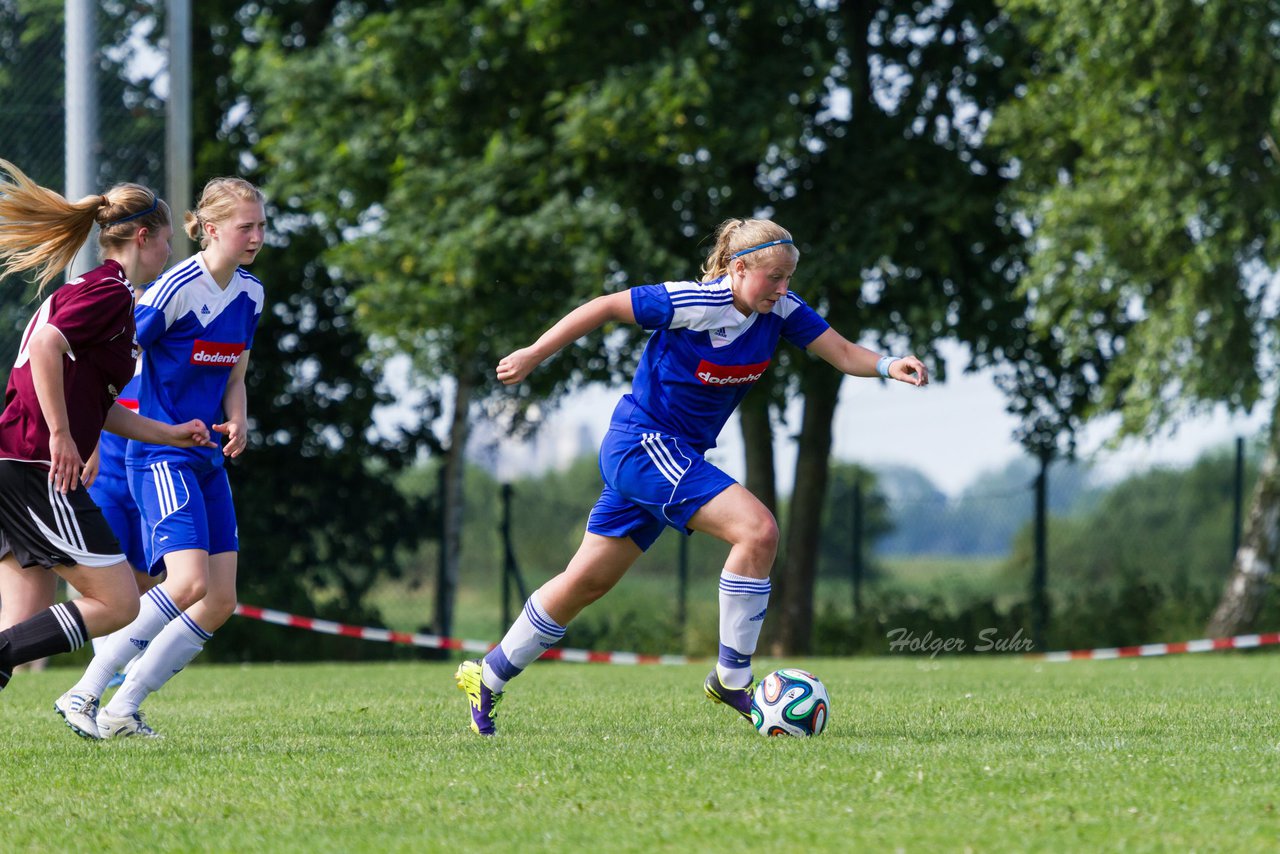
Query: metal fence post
[1040,568]
[856,566]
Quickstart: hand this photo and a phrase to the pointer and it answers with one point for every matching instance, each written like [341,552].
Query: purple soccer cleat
[738,699]
[483,701]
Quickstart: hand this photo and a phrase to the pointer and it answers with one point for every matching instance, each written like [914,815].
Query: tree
[906,238]
[1146,174]
[480,169]
[320,519]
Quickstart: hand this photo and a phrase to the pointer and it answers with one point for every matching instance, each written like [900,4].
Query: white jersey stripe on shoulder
[788,304]
[686,302]
[173,282]
[706,292]
[700,294]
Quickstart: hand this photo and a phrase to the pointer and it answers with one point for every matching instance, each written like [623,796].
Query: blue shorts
[111,493]
[651,482]
[183,508]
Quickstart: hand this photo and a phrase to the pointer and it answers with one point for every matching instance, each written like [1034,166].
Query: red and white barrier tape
[280,618]
[1154,649]
[327,627]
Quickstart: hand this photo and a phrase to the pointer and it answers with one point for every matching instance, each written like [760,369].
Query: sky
[953,432]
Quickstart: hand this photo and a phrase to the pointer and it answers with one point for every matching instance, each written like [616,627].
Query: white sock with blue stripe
[172,650]
[743,603]
[532,634]
[155,611]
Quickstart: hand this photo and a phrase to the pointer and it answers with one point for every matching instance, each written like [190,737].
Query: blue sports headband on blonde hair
[759,246]
[155,203]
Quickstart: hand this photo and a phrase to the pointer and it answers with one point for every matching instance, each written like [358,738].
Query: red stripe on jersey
[713,374]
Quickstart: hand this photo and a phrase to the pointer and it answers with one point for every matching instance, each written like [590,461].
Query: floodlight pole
[81,109]
[178,122]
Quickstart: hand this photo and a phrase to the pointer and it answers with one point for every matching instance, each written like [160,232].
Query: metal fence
[128,108]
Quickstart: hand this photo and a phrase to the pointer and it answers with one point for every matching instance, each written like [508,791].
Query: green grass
[982,753]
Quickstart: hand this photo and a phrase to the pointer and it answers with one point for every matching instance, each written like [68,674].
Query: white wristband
[885,363]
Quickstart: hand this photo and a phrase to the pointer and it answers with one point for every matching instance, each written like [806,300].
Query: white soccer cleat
[80,711]
[110,726]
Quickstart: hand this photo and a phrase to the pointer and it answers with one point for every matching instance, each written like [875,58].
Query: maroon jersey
[94,313]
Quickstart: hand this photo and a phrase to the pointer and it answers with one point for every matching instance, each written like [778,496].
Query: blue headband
[758,247]
[155,202]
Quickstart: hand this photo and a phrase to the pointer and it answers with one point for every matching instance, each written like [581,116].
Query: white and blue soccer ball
[790,701]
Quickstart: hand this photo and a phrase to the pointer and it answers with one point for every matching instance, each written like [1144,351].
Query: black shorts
[43,527]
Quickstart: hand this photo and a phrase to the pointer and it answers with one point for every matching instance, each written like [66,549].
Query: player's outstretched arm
[131,425]
[582,320]
[857,361]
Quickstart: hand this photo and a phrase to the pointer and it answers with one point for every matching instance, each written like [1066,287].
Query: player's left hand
[909,369]
[237,433]
[515,367]
[89,473]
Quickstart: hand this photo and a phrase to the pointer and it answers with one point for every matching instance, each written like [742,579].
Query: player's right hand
[64,462]
[193,434]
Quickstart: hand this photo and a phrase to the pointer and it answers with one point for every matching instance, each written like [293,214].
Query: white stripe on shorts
[65,518]
[164,488]
[661,456]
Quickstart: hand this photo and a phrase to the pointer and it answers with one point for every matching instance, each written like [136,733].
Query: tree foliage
[1147,175]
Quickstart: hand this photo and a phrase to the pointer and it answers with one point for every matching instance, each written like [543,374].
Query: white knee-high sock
[155,611]
[743,603]
[172,650]
[532,634]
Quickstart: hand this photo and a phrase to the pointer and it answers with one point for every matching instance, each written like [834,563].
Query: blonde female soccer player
[711,341]
[196,327]
[76,354]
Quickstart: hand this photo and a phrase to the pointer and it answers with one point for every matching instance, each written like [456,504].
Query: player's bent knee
[219,609]
[761,535]
[186,594]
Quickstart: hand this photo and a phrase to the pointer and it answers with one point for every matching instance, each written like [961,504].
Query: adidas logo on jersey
[204,310]
[712,374]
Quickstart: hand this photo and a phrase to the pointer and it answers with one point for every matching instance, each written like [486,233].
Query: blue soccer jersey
[111,448]
[703,357]
[192,334]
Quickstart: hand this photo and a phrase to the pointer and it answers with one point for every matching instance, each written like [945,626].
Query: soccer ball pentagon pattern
[790,702]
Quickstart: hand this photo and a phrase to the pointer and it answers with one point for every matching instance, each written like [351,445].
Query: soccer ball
[790,702]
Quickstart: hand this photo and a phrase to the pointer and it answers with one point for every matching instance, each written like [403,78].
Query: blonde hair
[734,235]
[42,231]
[217,203]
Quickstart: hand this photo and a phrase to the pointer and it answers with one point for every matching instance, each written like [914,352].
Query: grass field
[981,753]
